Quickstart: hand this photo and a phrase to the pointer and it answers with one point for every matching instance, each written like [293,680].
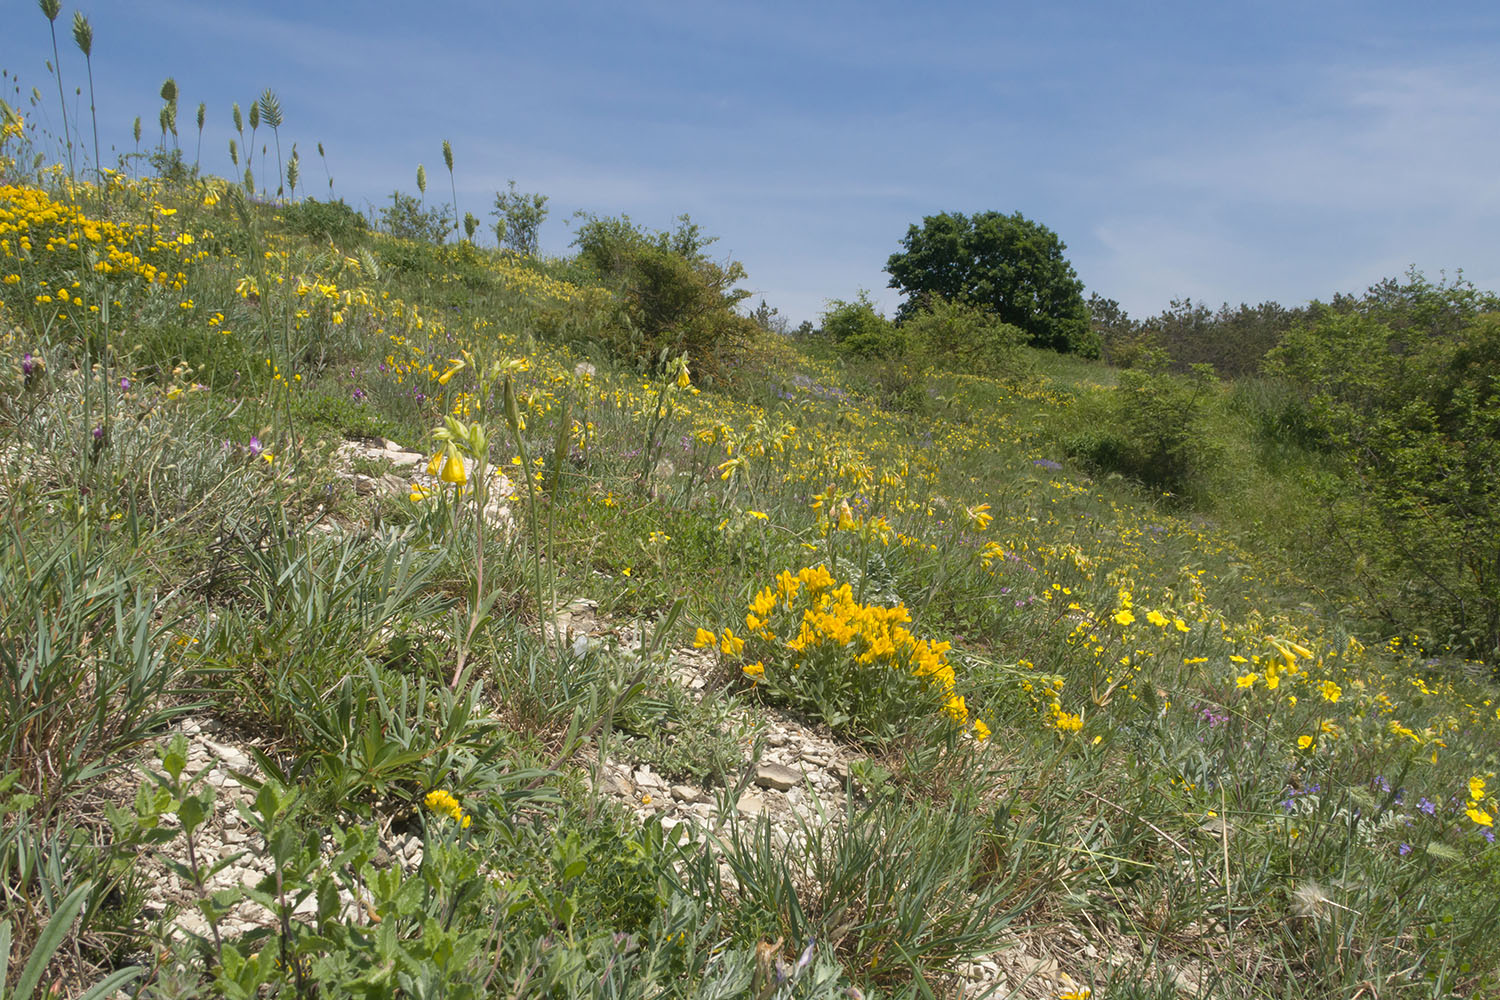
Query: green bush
[963,337]
[674,300]
[857,329]
[1281,418]
[326,221]
[406,218]
[1154,431]
[1414,415]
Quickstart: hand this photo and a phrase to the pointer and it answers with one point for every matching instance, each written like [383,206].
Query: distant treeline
[1236,339]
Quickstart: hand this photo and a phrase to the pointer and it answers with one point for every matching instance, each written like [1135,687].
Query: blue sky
[1237,152]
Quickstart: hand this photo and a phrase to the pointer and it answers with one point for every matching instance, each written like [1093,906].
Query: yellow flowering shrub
[810,642]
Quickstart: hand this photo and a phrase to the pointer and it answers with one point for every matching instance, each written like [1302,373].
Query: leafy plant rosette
[810,643]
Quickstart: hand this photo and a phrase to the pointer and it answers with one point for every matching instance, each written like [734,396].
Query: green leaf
[232,961]
[51,938]
[192,813]
[174,758]
[4,955]
[113,983]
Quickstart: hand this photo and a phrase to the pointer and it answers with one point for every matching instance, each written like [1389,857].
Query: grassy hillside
[1128,737]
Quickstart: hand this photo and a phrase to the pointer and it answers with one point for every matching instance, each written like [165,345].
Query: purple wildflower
[98,433]
[124,384]
[254,445]
[1427,806]
[28,365]
[1404,850]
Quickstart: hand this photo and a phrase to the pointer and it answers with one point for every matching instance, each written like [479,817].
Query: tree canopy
[1004,263]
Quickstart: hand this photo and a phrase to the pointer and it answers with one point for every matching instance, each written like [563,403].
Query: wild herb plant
[270,113]
[83,36]
[50,9]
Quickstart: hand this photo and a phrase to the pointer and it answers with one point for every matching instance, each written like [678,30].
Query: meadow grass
[1082,710]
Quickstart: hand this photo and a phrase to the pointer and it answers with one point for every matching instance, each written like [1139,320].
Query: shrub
[673,299]
[964,337]
[855,666]
[1154,433]
[323,221]
[407,218]
[518,220]
[1414,414]
[1281,417]
[856,328]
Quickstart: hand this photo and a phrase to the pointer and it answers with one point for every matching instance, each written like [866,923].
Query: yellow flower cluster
[1477,809]
[810,611]
[440,801]
[39,237]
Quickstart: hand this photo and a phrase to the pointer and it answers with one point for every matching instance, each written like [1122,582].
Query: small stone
[751,804]
[1039,968]
[776,738]
[616,785]
[401,458]
[686,793]
[646,778]
[777,776]
[234,759]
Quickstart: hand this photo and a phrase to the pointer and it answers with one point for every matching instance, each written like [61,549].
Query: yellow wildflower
[453,468]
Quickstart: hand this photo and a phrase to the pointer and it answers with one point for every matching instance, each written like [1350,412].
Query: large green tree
[1004,263]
